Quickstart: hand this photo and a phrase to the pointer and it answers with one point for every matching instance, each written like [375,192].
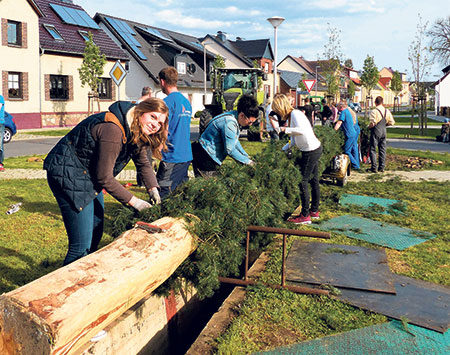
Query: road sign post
[117,74]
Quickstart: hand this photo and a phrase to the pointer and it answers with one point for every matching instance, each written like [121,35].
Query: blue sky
[383,29]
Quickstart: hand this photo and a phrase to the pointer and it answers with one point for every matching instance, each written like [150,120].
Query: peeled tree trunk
[61,311]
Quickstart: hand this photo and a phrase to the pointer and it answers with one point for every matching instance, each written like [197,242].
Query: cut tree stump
[61,311]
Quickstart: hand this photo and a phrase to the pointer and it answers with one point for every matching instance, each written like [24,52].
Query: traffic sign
[117,73]
[309,83]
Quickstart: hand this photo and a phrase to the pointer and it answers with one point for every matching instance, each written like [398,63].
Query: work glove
[154,196]
[139,204]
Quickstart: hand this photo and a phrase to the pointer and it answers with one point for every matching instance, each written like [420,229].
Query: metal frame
[285,232]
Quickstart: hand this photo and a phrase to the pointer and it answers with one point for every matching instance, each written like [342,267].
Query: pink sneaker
[301,220]
[314,215]
[2,168]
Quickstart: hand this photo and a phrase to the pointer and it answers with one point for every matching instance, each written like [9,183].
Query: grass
[49,132]
[271,318]
[33,241]
[430,133]
[399,120]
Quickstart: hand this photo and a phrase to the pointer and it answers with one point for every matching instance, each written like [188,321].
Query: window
[53,32]
[59,87]
[14,86]
[181,67]
[14,33]
[266,67]
[104,89]
[84,34]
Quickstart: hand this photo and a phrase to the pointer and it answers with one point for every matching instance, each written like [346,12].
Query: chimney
[222,36]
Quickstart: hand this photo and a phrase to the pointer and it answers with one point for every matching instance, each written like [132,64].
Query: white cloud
[349,6]
[175,17]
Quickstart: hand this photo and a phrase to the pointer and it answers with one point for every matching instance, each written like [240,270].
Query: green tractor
[228,87]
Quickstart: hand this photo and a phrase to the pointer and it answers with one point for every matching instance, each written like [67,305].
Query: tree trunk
[61,311]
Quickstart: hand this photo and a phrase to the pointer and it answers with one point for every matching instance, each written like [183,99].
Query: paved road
[21,146]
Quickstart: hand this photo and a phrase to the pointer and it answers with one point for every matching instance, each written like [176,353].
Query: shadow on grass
[12,277]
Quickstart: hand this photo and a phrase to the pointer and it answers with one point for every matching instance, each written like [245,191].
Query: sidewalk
[127,175]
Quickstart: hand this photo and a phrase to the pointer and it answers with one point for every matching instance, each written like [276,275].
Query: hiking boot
[314,215]
[2,168]
[370,170]
[301,220]
[381,170]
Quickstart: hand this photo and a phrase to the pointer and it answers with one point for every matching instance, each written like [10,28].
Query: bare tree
[439,34]
[419,56]
[332,59]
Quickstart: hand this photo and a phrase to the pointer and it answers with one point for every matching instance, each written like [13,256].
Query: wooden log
[61,311]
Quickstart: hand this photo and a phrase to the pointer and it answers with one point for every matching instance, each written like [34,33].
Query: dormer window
[53,32]
[84,34]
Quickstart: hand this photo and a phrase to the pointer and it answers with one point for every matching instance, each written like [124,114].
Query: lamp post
[204,69]
[317,66]
[275,22]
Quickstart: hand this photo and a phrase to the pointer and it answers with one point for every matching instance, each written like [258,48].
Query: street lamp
[275,22]
[317,66]
[204,44]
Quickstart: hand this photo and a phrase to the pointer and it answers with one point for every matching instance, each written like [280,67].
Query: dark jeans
[380,143]
[309,166]
[202,163]
[84,228]
[170,175]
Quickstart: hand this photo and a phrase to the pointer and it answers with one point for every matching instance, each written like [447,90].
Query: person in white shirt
[302,137]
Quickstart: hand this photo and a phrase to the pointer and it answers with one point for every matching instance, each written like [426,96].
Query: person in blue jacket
[173,168]
[221,138]
[350,127]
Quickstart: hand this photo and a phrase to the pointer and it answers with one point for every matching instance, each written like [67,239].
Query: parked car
[10,128]
[355,106]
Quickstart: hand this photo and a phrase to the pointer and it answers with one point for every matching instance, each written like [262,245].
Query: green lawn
[399,120]
[271,318]
[414,133]
[33,242]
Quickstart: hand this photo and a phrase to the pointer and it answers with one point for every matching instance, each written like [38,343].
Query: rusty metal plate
[339,265]
[423,303]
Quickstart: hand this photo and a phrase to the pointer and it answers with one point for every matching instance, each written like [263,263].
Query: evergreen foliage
[219,210]
[92,67]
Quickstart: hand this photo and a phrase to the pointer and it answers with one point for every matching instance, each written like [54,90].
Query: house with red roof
[19,60]
[63,31]
[43,43]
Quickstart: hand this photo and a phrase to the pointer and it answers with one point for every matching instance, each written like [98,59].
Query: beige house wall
[290,65]
[231,61]
[70,112]
[23,59]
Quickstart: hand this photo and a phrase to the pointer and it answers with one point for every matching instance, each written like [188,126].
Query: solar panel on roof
[138,52]
[74,16]
[78,19]
[88,19]
[198,45]
[156,33]
[125,31]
